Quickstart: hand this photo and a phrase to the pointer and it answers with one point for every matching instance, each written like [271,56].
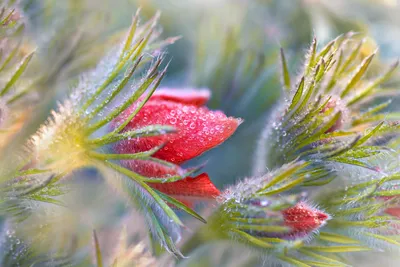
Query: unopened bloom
[297,222]
[303,219]
[259,209]
[198,129]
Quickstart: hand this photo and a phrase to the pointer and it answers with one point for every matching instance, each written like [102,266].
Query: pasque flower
[197,129]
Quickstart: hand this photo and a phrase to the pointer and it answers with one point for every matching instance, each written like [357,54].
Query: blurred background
[229,46]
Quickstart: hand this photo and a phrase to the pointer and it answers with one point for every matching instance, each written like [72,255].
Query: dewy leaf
[316,256]
[16,75]
[118,89]
[152,77]
[304,101]
[142,102]
[252,239]
[384,238]
[10,56]
[319,264]
[326,49]
[369,90]
[139,155]
[366,117]
[163,236]
[321,71]
[113,75]
[181,206]
[369,135]
[351,57]
[327,126]
[6,19]
[294,261]
[263,228]
[285,71]
[311,59]
[131,33]
[169,179]
[297,96]
[322,137]
[148,189]
[338,249]
[285,187]
[389,193]
[336,238]
[152,130]
[285,174]
[357,76]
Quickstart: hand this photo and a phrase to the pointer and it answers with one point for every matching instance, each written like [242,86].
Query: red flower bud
[198,130]
[303,219]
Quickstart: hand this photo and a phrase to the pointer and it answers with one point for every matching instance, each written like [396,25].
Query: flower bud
[303,219]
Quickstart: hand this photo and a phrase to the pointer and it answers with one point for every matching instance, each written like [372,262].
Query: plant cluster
[324,180]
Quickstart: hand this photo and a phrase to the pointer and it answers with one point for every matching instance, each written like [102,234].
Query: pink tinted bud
[302,218]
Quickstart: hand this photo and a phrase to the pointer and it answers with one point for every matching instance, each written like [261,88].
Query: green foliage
[315,135]
[323,118]
[71,139]
[332,142]
[251,213]
[17,251]
[17,194]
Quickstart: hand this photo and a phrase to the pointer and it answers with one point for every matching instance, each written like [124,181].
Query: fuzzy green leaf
[16,74]
[285,71]
[357,76]
[181,206]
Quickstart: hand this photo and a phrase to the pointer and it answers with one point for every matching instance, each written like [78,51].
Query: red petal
[183,96]
[199,186]
[198,130]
